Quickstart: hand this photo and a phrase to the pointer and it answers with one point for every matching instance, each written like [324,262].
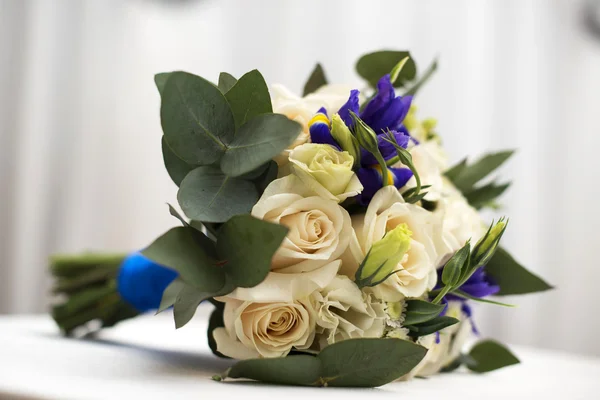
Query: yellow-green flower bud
[486,247]
[384,257]
[342,135]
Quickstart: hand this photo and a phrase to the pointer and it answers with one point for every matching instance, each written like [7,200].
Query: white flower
[302,109]
[325,170]
[461,221]
[417,270]
[344,312]
[319,229]
[265,330]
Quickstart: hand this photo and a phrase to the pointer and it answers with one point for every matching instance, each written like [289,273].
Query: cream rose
[302,109]
[265,330]
[417,270]
[344,312]
[326,171]
[461,221]
[319,229]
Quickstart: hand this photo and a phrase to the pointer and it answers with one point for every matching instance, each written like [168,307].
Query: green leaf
[512,277]
[187,301]
[176,167]
[215,321]
[206,194]
[245,238]
[489,355]
[417,85]
[475,172]
[160,80]
[373,66]
[178,249]
[456,170]
[432,326]
[169,295]
[349,363]
[315,81]
[467,296]
[249,97]
[302,370]
[368,362]
[459,262]
[226,82]
[419,311]
[196,119]
[267,177]
[484,195]
[395,73]
[258,141]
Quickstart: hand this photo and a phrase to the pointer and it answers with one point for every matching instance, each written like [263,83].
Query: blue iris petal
[385,94]
[142,282]
[401,176]
[385,111]
[371,181]
[351,105]
[320,133]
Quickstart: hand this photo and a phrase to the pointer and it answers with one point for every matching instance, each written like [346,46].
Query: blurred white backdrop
[80,161]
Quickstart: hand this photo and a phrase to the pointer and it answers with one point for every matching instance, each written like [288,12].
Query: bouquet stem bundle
[87,286]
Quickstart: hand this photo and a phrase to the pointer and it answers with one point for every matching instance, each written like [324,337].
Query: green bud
[342,135]
[384,257]
[365,135]
[459,262]
[397,69]
[487,245]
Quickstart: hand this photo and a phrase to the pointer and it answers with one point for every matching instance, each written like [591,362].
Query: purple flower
[478,285]
[351,105]
[386,111]
[372,180]
[320,129]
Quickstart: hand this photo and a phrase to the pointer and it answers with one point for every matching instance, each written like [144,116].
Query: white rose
[265,330]
[319,229]
[430,162]
[302,109]
[326,171]
[344,312]
[461,221]
[417,270]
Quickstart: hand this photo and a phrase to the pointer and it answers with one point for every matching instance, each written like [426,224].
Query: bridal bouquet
[335,243]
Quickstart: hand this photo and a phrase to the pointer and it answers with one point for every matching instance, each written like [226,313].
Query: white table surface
[146,358]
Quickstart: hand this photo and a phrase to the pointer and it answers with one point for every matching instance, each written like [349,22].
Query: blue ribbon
[141,282]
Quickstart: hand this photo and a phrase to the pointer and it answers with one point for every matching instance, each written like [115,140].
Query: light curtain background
[80,161]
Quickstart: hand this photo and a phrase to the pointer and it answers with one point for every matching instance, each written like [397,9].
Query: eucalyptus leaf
[246,245]
[456,170]
[315,81]
[267,177]
[176,167]
[187,301]
[419,311]
[434,325]
[489,355]
[169,295]
[160,80]
[471,174]
[373,66]
[258,141]
[249,97]
[484,195]
[196,119]
[178,249]
[512,277]
[349,363]
[206,194]
[226,82]
[215,321]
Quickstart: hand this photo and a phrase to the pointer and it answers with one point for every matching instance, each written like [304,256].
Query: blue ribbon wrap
[141,282]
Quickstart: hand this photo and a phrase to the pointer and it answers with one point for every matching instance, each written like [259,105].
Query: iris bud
[342,135]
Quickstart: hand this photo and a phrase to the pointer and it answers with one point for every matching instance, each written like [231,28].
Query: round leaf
[258,141]
[373,66]
[249,97]
[206,194]
[196,118]
[176,167]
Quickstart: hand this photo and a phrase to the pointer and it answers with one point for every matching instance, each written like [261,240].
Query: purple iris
[384,112]
[478,285]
